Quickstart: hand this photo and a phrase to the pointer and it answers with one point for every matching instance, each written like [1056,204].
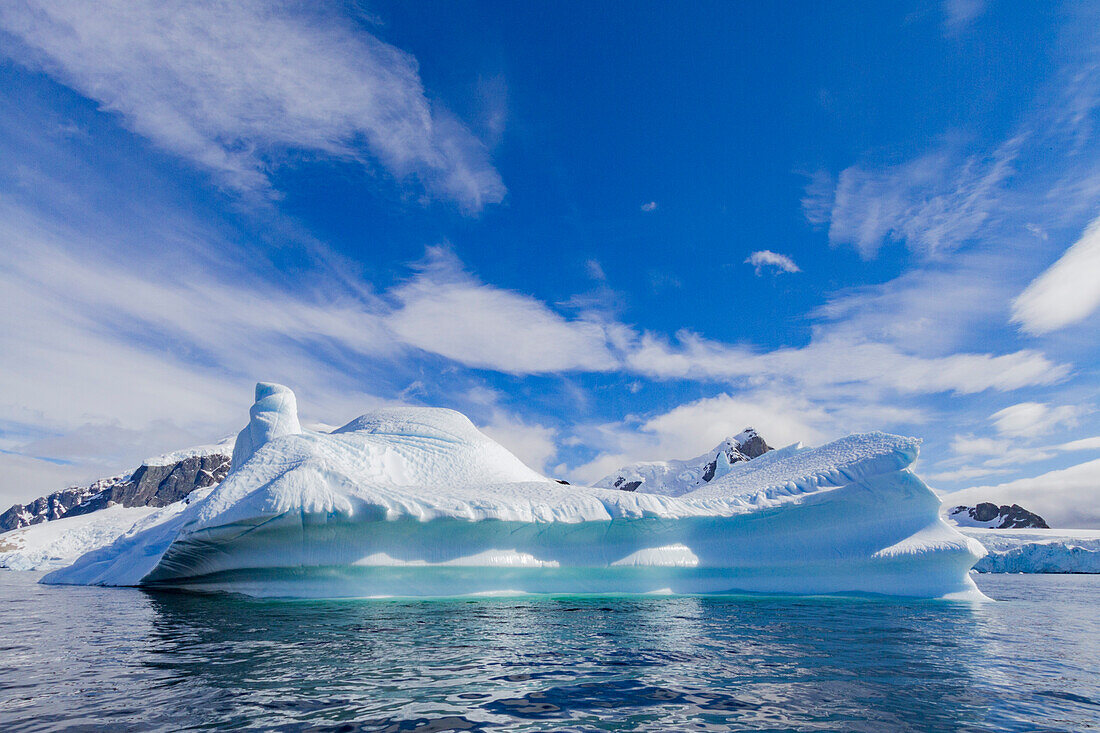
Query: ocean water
[121,659]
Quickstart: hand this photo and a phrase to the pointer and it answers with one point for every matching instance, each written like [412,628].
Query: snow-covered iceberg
[418,502]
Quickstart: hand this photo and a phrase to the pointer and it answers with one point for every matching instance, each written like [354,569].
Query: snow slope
[55,544]
[418,502]
[1038,550]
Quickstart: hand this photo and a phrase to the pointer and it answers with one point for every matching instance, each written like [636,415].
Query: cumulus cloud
[1067,292]
[765,259]
[232,87]
[1068,497]
[649,206]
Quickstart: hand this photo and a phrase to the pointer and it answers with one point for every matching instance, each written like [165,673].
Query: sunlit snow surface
[417,502]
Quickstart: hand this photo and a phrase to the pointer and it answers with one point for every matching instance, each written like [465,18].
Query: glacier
[1037,550]
[415,502]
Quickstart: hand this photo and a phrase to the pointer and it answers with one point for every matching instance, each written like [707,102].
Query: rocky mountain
[156,483]
[991,516]
[679,477]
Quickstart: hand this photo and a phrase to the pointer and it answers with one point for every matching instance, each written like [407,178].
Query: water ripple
[98,659]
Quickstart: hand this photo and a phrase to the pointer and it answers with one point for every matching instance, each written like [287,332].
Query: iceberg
[416,502]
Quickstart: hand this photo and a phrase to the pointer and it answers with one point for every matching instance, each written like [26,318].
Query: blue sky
[605,232]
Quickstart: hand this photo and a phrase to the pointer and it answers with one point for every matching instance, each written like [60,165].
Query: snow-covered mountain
[675,478]
[418,502]
[157,482]
[991,516]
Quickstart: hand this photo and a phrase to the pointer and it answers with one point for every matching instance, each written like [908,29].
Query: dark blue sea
[121,660]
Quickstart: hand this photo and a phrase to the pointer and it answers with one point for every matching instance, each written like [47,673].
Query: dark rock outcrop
[161,485]
[149,485]
[1000,517]
[745,446]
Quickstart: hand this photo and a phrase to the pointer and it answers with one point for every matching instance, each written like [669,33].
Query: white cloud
[1082,444]
[911,312]
[965,474]
[933,203]
[1004,454]
[234,86]
[39,475]
[1067,292]
[446,312]
[649,206]
[690,429]
[1000,451]
[765,259]
[533,444]
[1068,497]
[1031,419]
[838,361]
[817,198]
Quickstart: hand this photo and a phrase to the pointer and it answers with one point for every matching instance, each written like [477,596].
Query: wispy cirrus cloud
[235,87]
[958,15]
[960,192]
[933,203]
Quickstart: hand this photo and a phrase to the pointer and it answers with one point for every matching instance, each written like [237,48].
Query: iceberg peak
[274,414]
